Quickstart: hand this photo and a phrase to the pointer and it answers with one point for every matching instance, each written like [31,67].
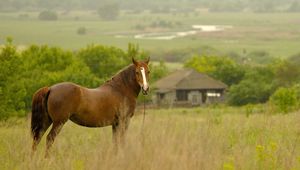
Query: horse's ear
[147,60]
[134,61]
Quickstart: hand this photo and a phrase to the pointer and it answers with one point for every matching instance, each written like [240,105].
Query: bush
[158,71]
[48,16]
[285,99]
[256,87]
[12,90]
[81,30]
[221,68]
[21,74]
[103,61]
[140,27]
[109,11]
[49,65]
[23,16]
[287,72]
[249,91]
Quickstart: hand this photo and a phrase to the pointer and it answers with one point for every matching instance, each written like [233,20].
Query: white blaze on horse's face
[145,83]
[142,74]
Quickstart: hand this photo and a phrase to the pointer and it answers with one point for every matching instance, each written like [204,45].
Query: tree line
[277,82]
[24,72]
[156,6]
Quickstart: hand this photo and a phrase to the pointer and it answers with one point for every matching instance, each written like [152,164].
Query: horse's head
[142,74]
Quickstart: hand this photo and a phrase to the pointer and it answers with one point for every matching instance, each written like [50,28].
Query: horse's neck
[125,82]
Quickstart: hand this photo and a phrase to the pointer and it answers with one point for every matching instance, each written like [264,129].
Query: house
[188,87]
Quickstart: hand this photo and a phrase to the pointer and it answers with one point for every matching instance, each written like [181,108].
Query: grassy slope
[203,138]
[276,33]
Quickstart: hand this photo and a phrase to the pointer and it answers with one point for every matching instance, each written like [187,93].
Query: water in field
[172,35]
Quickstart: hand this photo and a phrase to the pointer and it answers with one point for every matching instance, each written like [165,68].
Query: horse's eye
[136,72]
[148,72]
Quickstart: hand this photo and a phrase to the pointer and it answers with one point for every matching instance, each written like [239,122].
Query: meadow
[214,137]
[275,33]
[195,138]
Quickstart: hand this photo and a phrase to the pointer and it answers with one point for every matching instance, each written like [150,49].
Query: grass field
[276,33]
[199,138]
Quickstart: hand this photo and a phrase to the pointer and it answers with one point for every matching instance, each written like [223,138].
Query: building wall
[166,99]
[194,98]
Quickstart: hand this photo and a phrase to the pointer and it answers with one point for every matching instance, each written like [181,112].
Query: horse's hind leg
[38,136]
[56,127]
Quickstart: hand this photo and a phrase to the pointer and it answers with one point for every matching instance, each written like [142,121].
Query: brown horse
[113,103]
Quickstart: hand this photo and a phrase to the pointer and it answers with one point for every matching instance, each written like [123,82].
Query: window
[161,96]
[182,95]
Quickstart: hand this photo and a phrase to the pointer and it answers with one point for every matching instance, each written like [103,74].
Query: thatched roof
[187,79]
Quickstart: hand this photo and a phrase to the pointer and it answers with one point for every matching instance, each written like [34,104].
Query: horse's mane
[125,78]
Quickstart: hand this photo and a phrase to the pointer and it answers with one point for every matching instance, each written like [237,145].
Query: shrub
[21,74]
[249,91]
[23,16]
[140,27]
[285,99]
[12,90]
[103,61]
[48,15]
[221,68]
[109,11]
[49,65]
[81,30]
[256,87]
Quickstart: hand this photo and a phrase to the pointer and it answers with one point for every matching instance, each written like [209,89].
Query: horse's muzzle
[145,91]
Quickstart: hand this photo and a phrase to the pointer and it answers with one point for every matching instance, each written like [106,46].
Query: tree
[158,71]
[45,66]
[285,99]
[12,91]
[221,68]
[48,16]
[294,7]
[287,72]
[256,87]
[81,31]
[109,11]
[249,91]
[103,61]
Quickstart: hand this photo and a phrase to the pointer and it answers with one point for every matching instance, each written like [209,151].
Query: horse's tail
[39,111]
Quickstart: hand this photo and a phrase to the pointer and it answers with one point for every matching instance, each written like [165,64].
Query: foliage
[259,57]
[285,99]
[294,7]
[109,11]
[21,74]
[11,92]
[103,61]
[221,68]
[256,87]
[287,72]
[50,65]
[48,16]
[81,31]
[157,6]
[158,71]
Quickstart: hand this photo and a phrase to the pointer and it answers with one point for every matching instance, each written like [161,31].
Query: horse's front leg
[119,129]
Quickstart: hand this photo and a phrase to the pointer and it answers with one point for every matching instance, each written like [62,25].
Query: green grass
[276,33]
[199,138]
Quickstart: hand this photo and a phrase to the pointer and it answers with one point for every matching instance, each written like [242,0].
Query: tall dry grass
[220,138]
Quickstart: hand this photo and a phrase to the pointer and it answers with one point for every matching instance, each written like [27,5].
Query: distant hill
[158,5]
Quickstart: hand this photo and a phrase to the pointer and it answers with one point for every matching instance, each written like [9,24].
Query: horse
[111,104]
